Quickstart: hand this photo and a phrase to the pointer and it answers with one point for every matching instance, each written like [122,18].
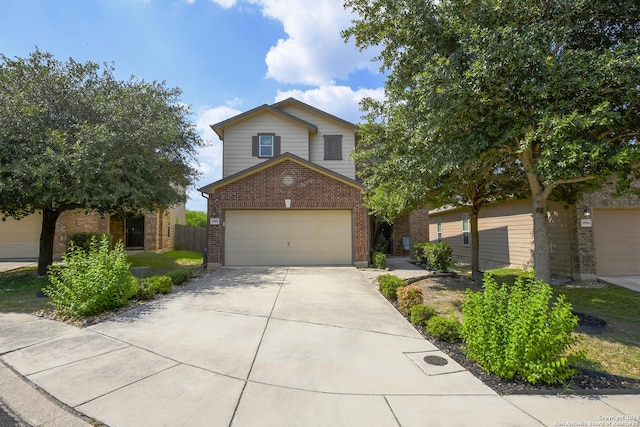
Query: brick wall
[310,190]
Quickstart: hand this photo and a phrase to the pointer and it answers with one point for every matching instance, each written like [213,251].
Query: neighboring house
[599,236]
[288,193]
[149,232]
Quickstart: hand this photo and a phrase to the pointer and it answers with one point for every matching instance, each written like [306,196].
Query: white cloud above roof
[224,3]
[314,52]
[341,101]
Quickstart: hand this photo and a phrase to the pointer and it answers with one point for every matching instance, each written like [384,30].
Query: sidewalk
[263,347]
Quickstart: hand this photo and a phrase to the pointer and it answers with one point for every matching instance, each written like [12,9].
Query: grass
[617,349]
[19,288]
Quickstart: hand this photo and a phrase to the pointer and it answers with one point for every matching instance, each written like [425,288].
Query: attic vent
[287,180]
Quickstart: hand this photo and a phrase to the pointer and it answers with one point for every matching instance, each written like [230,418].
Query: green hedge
[421,313]
[180,276]
[389,284]
[91,282]
[444,328]
[83,240]
[379,260]
[408,296]
[438,256]
[519,331]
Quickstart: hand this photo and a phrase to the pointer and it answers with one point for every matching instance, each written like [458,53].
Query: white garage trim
[616,236]
[288,237]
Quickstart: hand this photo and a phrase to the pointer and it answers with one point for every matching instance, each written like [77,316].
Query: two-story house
[288,194]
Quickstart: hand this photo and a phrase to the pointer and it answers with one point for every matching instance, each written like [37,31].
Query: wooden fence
[190,238]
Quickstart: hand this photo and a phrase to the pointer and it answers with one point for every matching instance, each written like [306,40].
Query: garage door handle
[288,243]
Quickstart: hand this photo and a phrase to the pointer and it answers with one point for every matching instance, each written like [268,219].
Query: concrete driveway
[260,347]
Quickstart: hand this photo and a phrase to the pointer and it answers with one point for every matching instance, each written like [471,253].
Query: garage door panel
[287,237]
[616,234]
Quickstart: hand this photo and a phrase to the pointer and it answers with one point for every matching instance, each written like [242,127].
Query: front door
[135,231]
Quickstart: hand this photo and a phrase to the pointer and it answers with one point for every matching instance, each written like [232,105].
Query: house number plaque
[214,221]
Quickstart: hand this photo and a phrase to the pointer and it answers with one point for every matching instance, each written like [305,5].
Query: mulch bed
[583,382]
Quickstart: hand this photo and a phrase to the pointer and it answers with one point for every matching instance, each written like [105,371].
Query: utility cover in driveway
[288,237]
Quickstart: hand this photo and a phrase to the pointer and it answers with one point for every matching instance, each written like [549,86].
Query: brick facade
[415,226]
[311,189]
[159,228]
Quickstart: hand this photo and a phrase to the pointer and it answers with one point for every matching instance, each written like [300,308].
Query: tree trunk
[47,236]
[541,249]
[476,274]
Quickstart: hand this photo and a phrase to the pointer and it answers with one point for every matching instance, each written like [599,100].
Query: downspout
[205,252]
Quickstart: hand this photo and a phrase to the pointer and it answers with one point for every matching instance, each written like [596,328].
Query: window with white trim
[466,233]
[265,146]
[439,229]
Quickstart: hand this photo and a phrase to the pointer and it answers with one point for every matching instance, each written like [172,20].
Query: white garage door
[20,239]
[287,237]
[616,234]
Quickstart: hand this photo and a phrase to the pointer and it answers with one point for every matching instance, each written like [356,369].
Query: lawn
[19,288]
[616,350]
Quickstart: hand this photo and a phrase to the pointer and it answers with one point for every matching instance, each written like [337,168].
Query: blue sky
[227,56]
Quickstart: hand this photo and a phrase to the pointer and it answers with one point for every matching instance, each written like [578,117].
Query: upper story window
[333,147]
[265,145]
[439,229]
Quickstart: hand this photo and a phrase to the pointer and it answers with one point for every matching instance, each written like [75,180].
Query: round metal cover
[435,360]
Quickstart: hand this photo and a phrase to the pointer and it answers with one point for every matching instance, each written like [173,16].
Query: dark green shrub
[408,296]
[438,256]
[179,277]
[444,328]
[379,260]
[518,331]
[421,313]
[160,284]
[388,285]
[145,291]
[93,281]
[83,240]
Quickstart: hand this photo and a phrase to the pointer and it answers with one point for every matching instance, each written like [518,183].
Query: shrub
[160,284]
[388,285]
[145,291]
[90,282]
[518,331]
[180,276]
[420,313]
[444,328]
[438,256]
[83,240]
[408,296]
[379,260]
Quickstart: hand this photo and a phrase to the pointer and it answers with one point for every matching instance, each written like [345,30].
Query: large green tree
[73,136]
[553,84]
[404,167]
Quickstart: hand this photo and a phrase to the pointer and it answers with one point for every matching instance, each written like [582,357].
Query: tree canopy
[73,136]
[552,84]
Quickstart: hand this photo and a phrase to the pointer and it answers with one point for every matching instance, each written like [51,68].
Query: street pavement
[263,346]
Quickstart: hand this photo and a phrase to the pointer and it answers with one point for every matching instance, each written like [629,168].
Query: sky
[227,56]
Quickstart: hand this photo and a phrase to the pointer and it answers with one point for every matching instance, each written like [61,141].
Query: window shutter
[276,145]
[254,146]
[333,147]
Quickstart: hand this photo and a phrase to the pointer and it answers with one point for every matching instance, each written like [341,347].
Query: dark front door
[135,232]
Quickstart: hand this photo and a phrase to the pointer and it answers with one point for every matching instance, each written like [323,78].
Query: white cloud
[210,156]
[314,52]
[341,101]
[224,3]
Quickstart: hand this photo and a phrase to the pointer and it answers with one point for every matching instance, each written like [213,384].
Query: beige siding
[237,141]
[505,232]
[346,166]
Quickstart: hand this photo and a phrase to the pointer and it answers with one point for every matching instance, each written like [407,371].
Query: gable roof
[300,104]
[219,127]
[207,189]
